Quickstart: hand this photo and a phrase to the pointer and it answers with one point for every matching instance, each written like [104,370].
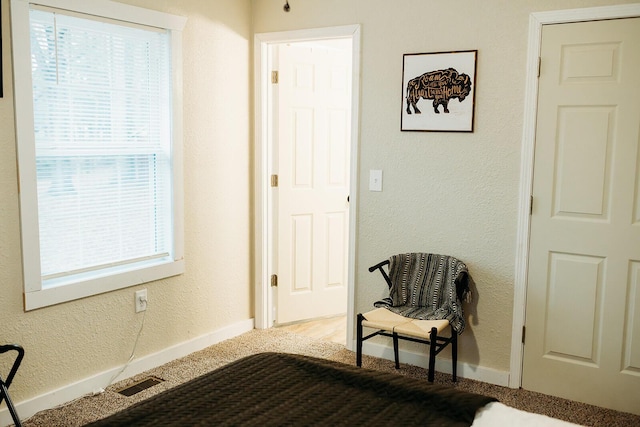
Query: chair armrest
[16,362]
[379,266]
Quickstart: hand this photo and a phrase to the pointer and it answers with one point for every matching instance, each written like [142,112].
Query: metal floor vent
[139,386]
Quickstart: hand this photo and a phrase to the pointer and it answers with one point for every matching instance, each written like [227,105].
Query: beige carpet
[91,408]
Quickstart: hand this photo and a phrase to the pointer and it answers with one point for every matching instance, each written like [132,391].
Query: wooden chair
[424,305]
[4,385]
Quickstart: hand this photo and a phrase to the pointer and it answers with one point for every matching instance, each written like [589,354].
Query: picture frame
[448,80]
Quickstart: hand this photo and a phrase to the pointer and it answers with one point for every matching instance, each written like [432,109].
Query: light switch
[375,180]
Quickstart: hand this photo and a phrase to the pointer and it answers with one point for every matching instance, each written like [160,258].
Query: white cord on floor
[133,352]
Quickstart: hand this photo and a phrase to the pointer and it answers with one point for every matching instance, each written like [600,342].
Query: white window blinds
[101,101]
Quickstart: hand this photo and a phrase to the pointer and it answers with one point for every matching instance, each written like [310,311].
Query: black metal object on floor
[4,385]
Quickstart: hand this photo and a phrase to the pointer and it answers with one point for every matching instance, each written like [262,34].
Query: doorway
[318,273]
[311,101]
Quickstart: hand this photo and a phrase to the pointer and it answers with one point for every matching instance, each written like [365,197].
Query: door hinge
[531,205]
[539,65]
[274,280]
[524,330]
[274,77]
[274,180]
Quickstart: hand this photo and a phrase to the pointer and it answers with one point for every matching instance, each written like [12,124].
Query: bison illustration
[441,86]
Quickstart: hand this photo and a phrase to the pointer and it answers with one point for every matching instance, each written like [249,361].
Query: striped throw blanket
[428,287]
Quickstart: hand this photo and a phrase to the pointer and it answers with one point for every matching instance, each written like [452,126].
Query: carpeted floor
[91,408]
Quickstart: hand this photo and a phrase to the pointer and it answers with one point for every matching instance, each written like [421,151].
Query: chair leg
[360,318]
[395,350]
[454,354]
[433,336]
[4,385]
[4,394]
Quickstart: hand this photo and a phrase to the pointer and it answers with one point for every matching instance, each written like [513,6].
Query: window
[99,147]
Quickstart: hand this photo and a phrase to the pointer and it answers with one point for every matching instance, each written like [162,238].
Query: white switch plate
[375,180]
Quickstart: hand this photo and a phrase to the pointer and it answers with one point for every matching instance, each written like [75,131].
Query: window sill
[84,285]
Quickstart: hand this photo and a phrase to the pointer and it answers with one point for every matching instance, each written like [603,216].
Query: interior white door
[583,291]
[314,140]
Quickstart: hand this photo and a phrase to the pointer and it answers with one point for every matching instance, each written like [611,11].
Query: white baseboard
[465,370]
[97,382]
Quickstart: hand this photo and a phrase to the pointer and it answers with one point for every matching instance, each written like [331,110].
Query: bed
[277,389]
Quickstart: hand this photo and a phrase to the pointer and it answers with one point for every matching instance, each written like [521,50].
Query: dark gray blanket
[274,389]
[429,287]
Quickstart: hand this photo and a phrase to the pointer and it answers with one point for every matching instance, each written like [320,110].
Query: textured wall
[443,192]
[75,340]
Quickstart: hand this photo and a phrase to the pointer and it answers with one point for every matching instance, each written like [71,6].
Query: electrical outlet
[141,300]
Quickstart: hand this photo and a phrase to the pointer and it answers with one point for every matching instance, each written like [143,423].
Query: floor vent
[139,386]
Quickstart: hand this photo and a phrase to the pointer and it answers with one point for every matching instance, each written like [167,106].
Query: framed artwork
[438,91]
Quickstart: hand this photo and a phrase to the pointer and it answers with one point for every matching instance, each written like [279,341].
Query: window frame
[35,294]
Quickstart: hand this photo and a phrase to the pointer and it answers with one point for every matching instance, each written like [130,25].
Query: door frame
[263,135]
[536,22]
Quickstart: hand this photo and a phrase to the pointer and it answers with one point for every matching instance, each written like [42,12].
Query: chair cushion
[421,328]
[386,320]
[381,318]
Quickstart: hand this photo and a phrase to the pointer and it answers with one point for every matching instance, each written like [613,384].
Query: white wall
[74,341]
[451,193]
